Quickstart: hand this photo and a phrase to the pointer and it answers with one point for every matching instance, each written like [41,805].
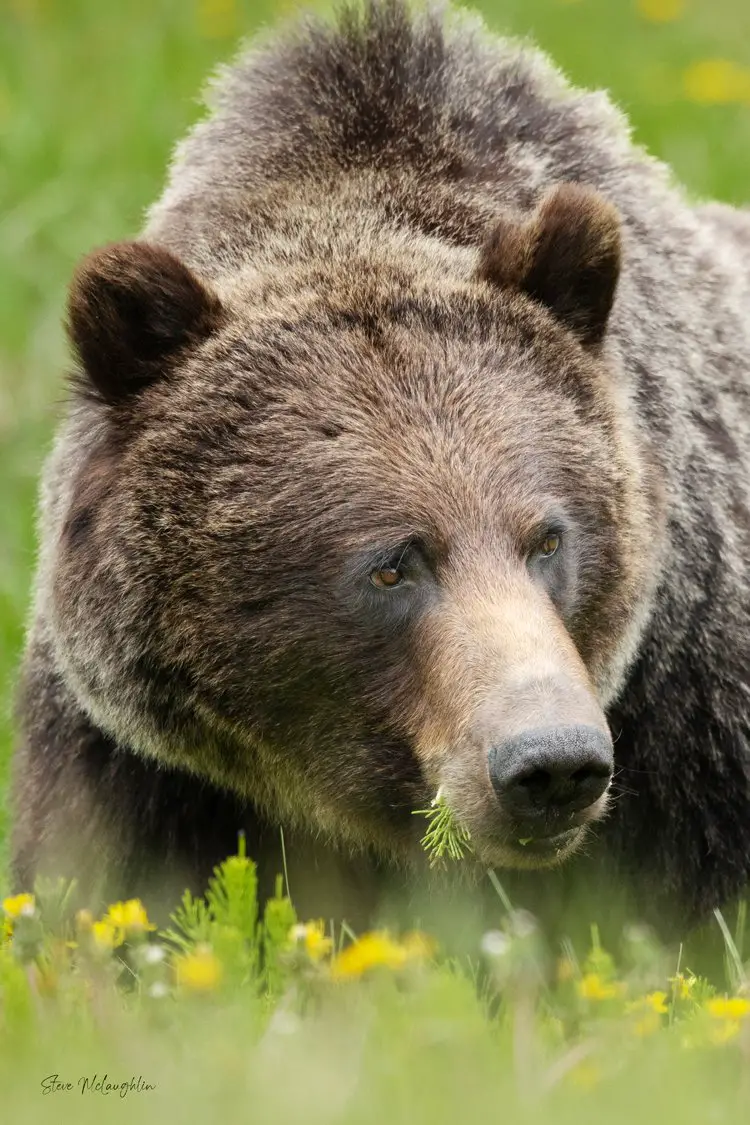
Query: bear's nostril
[537,782]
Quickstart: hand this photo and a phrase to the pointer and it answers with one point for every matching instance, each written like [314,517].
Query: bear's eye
[403,565]
[550,545]
[386,577]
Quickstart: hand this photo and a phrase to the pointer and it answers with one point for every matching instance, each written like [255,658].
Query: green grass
[92,98]
[243,1014]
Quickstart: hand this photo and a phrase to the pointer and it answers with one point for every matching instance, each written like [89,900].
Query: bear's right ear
[133,307]
[566,256]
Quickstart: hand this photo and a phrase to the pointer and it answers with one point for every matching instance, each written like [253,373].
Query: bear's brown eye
[550,545]
[387,577]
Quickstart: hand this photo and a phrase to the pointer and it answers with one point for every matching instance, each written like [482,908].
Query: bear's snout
[549,774]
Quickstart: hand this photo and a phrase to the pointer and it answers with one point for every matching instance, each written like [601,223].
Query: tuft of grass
[445,837]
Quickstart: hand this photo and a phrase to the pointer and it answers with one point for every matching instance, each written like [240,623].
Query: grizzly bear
[407,450]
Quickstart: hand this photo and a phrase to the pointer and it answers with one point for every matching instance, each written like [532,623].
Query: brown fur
[407,301]
[172,525]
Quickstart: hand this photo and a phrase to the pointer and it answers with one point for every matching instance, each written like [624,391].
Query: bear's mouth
[547,845]
[535,852]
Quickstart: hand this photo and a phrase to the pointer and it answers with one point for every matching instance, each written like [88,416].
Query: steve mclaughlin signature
[96,1084]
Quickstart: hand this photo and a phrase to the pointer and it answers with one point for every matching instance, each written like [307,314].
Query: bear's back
[382,94]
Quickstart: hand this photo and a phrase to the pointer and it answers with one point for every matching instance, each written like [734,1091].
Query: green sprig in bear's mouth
[445,838]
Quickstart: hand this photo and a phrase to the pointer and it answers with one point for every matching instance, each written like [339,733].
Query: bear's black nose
[553,770]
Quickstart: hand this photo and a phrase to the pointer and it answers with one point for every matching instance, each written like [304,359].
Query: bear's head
[347,533]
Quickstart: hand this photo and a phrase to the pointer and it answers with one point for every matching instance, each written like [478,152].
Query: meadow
[92,98]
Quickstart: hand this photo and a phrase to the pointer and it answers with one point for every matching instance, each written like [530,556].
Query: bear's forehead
[442,411]
[391,418]
[462,361]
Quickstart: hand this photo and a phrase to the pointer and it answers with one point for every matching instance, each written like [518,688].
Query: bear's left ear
[132,310]
[567,256]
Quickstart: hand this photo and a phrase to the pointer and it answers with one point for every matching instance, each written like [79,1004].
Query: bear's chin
[530,854]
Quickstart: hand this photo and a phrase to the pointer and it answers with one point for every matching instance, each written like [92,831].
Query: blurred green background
[94,95]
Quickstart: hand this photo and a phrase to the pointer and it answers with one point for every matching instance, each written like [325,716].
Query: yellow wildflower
[661,11]
[17,905]
[371,951]
[682,986]
[648,1009]
[724,1032]
[104,934]
[311,936]
[726,1016]
[717,82]
[200,971]
[129,919]
[379,950]
[657,1002]
[728,1008]
[592,986]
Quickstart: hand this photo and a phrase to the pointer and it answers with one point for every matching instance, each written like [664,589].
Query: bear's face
[339,554]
